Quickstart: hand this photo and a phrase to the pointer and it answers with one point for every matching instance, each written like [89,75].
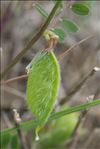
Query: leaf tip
[37,138]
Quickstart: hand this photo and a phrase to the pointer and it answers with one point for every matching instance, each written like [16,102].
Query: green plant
[25,126]
[42,86]
[44,77]
[59,131]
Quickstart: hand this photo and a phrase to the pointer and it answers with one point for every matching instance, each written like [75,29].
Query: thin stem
[78,86]
[33,123]
[52,42]
[73,46]
[82,115]
[60,58]
[32,41]
[14,79]
[21,138]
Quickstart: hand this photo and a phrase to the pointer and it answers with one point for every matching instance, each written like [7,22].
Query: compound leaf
[41,10]
[80,9]
[60,33]
[69,25]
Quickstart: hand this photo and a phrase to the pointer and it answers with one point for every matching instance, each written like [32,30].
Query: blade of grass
[32,123]
[74,109]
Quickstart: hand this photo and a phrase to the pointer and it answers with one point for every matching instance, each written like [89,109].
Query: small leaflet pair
[42,86]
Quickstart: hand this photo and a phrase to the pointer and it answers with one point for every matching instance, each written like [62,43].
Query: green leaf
[60,33]
[42,85]
[80,9]
[14,142]
[4,141]
[41,10]
[32,123]
[69,25]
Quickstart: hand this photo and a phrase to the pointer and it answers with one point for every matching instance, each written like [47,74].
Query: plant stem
[21,138]
[78,86]
[14,79]
[32,41]
[73,46]
[60,58]
[82,115]
[33,123]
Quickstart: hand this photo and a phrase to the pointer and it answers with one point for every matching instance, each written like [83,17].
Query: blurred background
[20,21]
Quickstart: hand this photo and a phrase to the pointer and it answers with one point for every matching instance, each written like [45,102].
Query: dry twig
[21,138]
